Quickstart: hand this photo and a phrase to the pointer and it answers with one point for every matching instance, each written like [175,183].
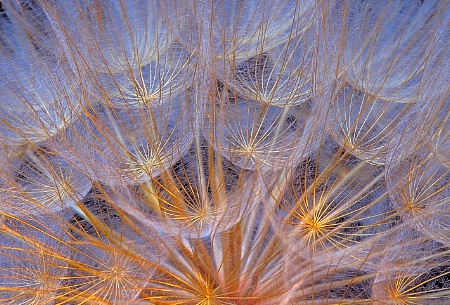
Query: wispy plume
[224,152]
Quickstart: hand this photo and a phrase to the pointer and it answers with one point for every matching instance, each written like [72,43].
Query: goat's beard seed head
[241,152]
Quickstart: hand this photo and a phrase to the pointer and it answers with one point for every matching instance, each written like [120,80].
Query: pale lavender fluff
[225,152]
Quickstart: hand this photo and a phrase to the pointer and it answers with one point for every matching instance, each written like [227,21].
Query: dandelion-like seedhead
[224,152]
